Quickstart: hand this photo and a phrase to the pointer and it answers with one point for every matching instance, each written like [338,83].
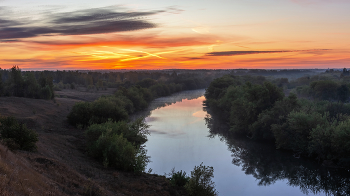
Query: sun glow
[248,37]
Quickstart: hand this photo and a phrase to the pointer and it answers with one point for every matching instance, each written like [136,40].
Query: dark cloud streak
[99,14]
[236,53]
[83,22]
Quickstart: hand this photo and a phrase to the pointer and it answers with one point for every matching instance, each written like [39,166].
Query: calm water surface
[182,137]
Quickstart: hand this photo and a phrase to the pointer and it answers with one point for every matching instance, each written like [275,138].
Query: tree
[31,86]
[16,81]
[1,84]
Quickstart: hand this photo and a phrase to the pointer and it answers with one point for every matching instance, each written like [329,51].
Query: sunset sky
[182,34]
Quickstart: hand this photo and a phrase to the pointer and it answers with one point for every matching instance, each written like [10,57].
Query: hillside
[60,165]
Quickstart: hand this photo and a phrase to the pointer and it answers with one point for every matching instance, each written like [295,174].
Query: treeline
[274,73]
[98,80]
[42,84]
[318,128]
[14,83]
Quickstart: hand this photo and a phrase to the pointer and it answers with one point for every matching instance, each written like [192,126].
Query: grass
[17,178]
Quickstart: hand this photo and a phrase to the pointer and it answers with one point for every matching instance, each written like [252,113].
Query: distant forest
[42,84]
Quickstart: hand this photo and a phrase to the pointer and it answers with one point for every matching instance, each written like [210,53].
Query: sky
[182,34]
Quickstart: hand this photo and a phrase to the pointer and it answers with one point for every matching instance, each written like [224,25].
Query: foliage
[251,101]
[118,144]
[217,88]
[80,114]
[99,111]
[178,178]
[135,132]
[118,106]
[324,89]
[340,140]
[317,128]
[261,129]
[16,135]
[294,134]
[200,183]
[27,85]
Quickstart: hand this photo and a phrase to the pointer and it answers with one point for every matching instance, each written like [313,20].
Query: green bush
[135,132]
[179,178]
[80,114]
[107,108]
[16,135]
[99,111]
[114,151]
[200,183]
[119,144]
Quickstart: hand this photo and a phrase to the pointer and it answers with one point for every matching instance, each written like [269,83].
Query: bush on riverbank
[178,178]
[85,113]
[119,144]
[198,184]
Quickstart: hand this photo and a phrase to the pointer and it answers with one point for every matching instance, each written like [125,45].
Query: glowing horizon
[248,34]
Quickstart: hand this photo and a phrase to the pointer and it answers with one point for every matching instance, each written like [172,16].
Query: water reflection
[268,165]
[167,101]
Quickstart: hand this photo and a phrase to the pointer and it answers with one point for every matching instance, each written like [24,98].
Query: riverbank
[61,160]
[183,135]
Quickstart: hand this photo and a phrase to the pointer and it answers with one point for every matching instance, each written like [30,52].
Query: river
[184,136]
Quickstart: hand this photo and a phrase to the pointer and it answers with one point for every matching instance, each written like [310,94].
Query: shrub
[80,114]
[115,151]
[105,108]
[99,111]
[135,132]
[178,178]
[200,183]
[118,144]
[16,135]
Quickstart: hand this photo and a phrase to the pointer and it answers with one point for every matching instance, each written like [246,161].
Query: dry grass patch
[18,178]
